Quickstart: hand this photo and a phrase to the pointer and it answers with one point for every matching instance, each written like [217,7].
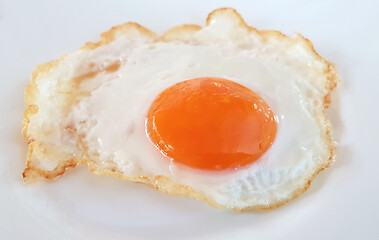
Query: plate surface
[342,202]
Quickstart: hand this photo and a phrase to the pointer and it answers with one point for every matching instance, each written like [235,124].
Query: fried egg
[225,114]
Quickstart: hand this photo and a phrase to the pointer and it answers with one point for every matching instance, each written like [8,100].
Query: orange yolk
[211,123]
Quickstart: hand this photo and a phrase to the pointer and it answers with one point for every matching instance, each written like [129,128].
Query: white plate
[342,202]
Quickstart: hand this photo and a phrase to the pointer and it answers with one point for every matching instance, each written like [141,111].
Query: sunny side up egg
[225,114]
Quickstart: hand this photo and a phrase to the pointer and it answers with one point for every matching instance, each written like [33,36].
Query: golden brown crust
[162,183]
[111,35]
[180,33]
[231,13]
[31,94]
[32,173]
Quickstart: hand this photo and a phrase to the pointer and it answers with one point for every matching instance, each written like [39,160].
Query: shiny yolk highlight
[211,123]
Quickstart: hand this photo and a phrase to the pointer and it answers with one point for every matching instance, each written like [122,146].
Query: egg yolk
[211,123]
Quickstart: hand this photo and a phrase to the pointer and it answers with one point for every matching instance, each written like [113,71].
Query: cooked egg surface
[254,102]
[211,123]
[112,119]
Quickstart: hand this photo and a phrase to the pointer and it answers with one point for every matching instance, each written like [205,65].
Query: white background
[342,202]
